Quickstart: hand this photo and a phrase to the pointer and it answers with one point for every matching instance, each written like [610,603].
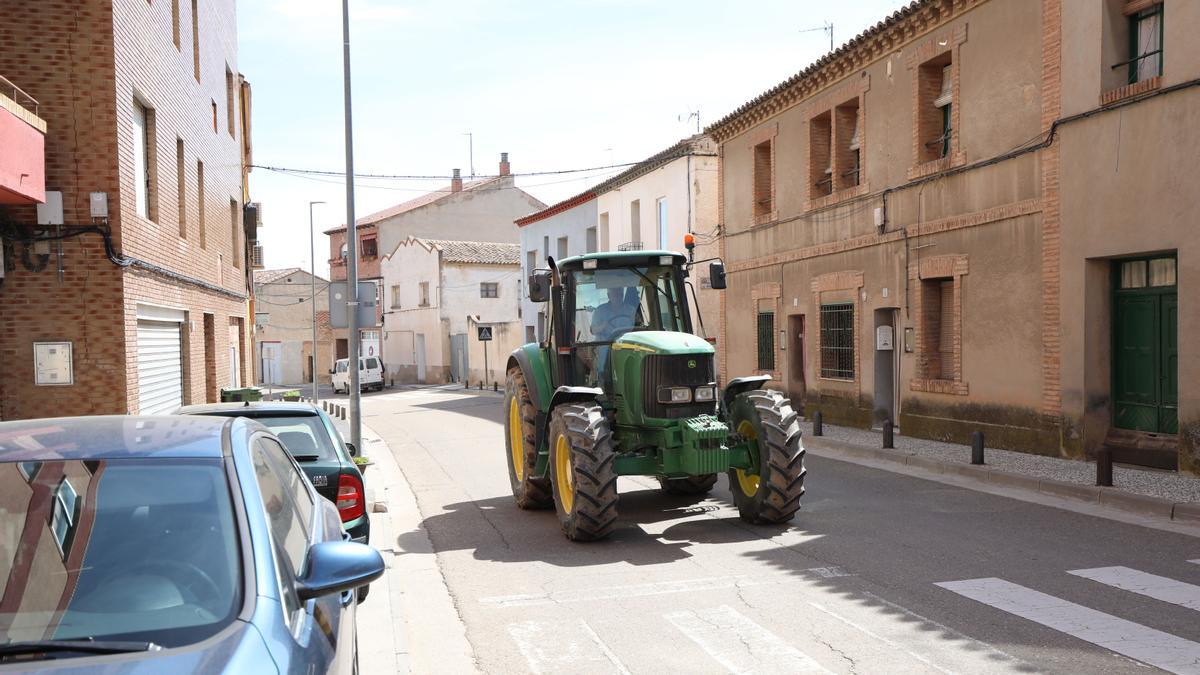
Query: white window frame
[141,159]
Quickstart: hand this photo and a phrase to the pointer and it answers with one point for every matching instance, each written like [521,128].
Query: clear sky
[558,84]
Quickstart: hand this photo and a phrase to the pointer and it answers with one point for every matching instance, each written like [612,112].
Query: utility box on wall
[52,363]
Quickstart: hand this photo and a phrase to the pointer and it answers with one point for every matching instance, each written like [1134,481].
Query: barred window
[489,289]
[837,341]
[766,340]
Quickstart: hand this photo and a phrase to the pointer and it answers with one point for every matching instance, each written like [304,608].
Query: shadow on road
[497,531]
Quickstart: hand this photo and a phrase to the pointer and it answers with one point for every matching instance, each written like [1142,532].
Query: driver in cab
[613,317]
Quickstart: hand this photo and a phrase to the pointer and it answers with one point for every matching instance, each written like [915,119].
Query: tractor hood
[662,342]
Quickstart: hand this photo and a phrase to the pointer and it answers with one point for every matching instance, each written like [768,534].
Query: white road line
[640,590]
[1195,562]
[612,658]
[558,648]
[1143,583]
[1150,646]
[739,644]
[891,643]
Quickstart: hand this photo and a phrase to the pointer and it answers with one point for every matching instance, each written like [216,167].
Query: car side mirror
[352,450]
[338,566]
[716,275]
[331,371]
[539,286]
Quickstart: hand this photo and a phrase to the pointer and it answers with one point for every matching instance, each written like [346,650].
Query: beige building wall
[1019,228]
[1130,190]
[412,327]
[286,303]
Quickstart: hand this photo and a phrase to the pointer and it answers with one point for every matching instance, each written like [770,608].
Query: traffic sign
[485,333]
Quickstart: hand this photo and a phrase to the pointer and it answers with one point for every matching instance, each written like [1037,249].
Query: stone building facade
[146,116]
[967,218]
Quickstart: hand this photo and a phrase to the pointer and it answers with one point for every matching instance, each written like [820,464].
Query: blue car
[179,544]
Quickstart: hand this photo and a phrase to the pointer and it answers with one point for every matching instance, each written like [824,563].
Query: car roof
[113,437]
[250,409]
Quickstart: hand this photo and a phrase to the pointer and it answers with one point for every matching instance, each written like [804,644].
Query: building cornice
[889,35]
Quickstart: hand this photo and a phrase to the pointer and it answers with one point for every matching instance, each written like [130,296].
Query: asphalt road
[879,572]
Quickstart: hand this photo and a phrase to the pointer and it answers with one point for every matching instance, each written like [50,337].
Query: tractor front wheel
[581,466]
[770,490]
[689,485]
[529,491]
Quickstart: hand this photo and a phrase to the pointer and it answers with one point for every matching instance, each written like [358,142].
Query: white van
[370,375]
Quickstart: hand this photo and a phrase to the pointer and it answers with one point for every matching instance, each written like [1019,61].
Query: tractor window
[611,302]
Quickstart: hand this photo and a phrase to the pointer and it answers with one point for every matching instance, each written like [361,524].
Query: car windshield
[307,437]
[130,549]
[610,302]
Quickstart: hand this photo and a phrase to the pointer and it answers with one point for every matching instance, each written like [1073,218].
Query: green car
[310,436]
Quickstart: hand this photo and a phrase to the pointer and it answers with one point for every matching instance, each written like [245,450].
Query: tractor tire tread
[530,492]
[782,454]
[594,512]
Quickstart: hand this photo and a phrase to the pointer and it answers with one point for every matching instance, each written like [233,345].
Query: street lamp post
[351,240]
[312,277]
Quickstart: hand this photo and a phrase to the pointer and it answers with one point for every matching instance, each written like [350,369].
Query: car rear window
[372,363]
[305,437]
[131,549]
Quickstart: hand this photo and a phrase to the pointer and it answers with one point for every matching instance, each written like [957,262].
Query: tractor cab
[606,300]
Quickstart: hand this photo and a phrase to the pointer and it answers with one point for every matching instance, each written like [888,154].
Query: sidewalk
[1161,495]
[408,623]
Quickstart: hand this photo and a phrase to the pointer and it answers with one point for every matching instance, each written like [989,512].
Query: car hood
[237,648]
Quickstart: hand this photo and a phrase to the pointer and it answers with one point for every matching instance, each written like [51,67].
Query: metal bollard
[342,412]
[495,386]
[977,447]
[817,431]
[481,385]
[888,431]
[1104,469]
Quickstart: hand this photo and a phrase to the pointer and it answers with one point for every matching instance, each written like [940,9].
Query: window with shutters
[145,170]
[766,341]
[395,296]
[837,341]
[820,142]
[938,311]
[764,181]
[489,289]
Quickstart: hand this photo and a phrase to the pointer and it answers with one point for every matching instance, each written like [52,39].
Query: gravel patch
[1163,484]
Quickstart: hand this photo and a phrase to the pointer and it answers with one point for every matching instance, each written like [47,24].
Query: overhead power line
[319,172]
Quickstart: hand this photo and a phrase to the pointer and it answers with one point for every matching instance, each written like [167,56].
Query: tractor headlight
[674,395]
[706,393]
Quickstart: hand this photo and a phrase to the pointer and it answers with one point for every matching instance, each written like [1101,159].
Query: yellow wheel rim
[516,439]
[748,482]
[562,473]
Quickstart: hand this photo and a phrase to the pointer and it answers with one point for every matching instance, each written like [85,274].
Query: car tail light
[351,502]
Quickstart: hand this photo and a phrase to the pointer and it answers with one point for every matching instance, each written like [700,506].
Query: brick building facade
[970,217]
[143,104]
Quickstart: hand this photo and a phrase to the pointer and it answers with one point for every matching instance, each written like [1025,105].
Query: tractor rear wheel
[581,463]
[770,491]
[519,414]
[688,485]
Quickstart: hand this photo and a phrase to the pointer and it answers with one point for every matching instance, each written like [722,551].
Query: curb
[1187,513]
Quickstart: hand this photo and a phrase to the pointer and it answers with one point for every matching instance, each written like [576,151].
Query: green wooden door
[1136,371]
[1146,345]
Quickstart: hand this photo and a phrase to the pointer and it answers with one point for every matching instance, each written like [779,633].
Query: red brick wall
[86,61]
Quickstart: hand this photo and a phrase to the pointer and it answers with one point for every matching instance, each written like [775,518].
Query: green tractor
[622,386]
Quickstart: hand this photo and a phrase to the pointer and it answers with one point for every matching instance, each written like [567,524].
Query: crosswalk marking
[1142,583]
[739,644]
[564,647]
[1150,646]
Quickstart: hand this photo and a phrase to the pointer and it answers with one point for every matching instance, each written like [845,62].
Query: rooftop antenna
[471,152]
[688,118]
[827,27]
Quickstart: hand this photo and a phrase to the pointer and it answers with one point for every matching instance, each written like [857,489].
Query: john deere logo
[691,363]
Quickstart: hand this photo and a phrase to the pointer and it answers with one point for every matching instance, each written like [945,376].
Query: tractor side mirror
[716,275]
[539,286]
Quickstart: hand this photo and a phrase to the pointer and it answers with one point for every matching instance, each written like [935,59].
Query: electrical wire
[320,172]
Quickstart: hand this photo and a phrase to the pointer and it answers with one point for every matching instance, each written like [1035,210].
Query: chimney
[505,170]
[456,182]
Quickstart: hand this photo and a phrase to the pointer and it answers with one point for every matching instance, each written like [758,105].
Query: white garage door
[160,367]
